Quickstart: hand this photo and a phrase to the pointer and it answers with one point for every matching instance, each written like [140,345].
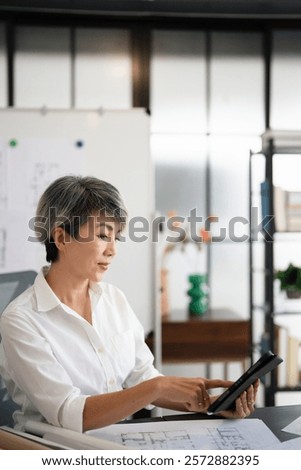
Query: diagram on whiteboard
[42,174]
[29,165]
[34,163]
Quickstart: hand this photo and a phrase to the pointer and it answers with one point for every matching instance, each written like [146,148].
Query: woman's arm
[184,395]
[177,393]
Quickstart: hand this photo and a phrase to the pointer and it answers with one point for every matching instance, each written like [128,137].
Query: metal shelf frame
[273,143]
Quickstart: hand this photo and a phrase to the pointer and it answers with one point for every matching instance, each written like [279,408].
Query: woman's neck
[72,291]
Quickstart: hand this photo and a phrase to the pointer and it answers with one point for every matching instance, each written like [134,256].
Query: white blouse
[52,359]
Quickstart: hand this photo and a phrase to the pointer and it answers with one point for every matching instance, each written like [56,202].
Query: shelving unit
[273,144]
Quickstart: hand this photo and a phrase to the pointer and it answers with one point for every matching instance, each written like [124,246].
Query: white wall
[195,118]
[237,84]
[102,69]
[42,67]
[286,77]
[178,84]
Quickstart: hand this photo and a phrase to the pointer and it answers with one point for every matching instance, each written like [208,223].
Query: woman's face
[90,254]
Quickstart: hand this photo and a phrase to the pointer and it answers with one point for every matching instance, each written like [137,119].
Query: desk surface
[275,417]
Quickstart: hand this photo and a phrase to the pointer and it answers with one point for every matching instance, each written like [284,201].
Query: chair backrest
[11,285]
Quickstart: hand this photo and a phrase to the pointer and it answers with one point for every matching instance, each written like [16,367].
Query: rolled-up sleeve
[71,412]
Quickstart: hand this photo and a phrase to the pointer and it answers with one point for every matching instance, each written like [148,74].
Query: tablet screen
[226,400]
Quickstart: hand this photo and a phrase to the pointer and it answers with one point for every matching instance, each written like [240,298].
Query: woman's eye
[108,238]
[104,237]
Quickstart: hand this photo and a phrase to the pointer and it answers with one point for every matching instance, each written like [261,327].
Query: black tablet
[226,400]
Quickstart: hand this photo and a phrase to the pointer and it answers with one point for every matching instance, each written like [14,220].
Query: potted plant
[290,281]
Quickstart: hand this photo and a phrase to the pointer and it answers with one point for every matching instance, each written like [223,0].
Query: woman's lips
[104,265]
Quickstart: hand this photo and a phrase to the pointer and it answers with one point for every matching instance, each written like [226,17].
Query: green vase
[198,294]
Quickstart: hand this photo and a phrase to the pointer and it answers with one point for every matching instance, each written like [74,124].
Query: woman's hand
[181,393]
[244,404]
[191,394]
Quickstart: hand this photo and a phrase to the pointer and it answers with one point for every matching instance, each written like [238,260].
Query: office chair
[11,285]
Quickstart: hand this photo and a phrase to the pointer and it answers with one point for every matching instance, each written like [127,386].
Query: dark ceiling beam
[128,21]
[190,11]
[213,8]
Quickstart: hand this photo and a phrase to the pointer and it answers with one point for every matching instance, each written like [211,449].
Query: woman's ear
[60,238]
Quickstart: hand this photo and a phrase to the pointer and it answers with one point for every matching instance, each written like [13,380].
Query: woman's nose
[111,248]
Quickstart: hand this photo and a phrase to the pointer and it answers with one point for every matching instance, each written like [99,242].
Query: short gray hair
[69,201]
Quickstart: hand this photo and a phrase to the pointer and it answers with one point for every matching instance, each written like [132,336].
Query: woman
[74,352]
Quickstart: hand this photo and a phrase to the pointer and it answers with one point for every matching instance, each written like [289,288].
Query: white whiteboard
[115,148]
